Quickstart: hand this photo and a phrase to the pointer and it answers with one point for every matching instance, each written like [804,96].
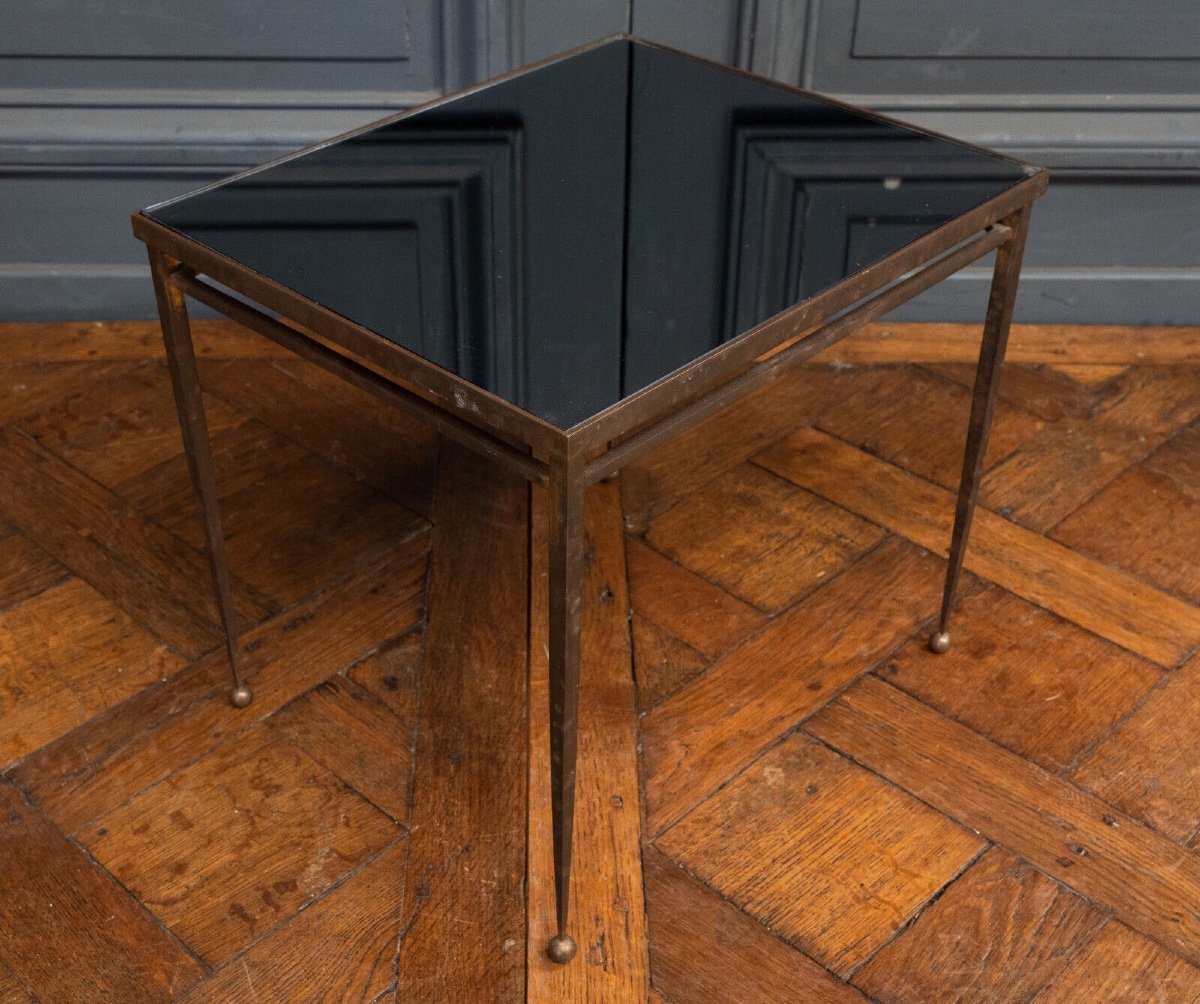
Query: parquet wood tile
[1002,932]
[1146,880]
[341,424]
[116,436]
[294,963]
[353,735]
[25,570]
[297,528]
[140,741]
[1138,523]
[819,851]
[696,740]
[917,420]
[761,538]
[231,845]
[1121,966]
[1150,765]
[1029,680]
[1105,600]
[69,655]
[68,932]
[824,810]
[703,948]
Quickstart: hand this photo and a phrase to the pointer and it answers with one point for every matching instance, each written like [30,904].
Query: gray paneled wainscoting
[107,108]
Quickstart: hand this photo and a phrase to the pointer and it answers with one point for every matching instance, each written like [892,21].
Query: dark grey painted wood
[96,122]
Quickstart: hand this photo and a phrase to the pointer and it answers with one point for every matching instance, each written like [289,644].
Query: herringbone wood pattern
[783,795]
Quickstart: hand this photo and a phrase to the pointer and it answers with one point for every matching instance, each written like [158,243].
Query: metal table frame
[565,463]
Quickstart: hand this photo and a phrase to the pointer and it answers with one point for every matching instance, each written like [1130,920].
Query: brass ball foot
[940,642]
[239,697]
[562,949]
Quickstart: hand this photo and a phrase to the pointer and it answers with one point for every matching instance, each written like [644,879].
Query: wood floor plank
[1137,523]
[1150,765]
[691,608]
[1120,966]
[760,537]
[11,991]
[1025,678]
[140,741]
[703,950]
[344,426]
[662,662]
[607,904]
[707,732]
[58,342]
[820,851]
[67,931]
[156,578]
[1105,600]
[67,655]
[1149,882]
[1002,932]
[233,844]
[1179,457]
[917,420]
[1093,344]
[29,387]
[343,727]
[294,964]
[131,427]
[652,483]
[466,936]
[25,570]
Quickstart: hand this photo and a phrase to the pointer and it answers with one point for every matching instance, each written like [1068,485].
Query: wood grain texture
[607,901]
[662,663]
[25,570]
[918,420]
[760,538]
[344,426]
[652,483]
[1093,344]
[1148,881]
[703,949]
[294,964]
[149,573]
[11,991]
[1029,680]
[1107,601]
[228,846]
[465,936]
[343,727]
[69,655]
[1120,965]
[694,610]
[143,739]
[824,854]
[29,387]
[58,906]
[720,723]
[129,340]
[1150,764]
[1002,932]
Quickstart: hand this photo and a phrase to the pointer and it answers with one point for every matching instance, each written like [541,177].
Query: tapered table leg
[987,377]
[566,582]
[181,360]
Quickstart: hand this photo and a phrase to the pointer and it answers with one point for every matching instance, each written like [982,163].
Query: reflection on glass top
[570,235]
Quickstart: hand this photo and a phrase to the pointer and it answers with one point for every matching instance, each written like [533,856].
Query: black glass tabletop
[569,235]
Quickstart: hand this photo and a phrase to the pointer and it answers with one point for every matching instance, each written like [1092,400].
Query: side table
[567,266]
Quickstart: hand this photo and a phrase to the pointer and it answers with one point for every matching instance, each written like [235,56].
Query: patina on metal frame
[566,462]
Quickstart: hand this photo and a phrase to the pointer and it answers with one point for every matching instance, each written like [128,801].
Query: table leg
[987,377]
[181,360]
[566,582]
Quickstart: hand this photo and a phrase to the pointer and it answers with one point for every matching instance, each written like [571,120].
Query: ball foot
[940,642]
[239,697]
[561,949]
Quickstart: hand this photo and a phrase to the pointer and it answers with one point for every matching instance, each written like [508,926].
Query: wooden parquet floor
[783,795]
